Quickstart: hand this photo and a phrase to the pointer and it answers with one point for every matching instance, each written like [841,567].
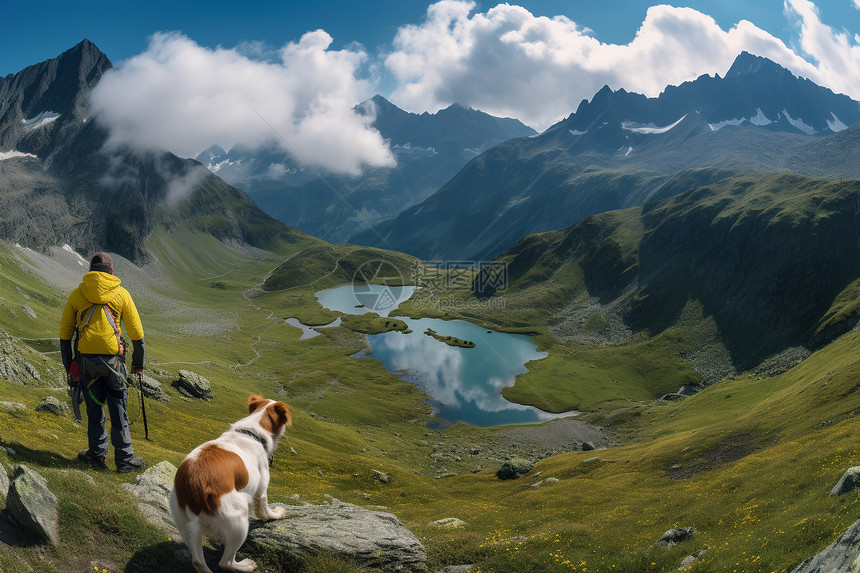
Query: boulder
[193,385]
[690,559]
[32,505]
[588,446]
[52,405]
[849,481]
[675,536]
[152,388]
[514,468]
[380,476]
[448,523]
[374,539]
[152,488]
[12,407]
[839,557]
[14,368]
[4,482]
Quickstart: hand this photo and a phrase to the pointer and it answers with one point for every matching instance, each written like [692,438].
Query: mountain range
[429,150]
[59,186]
[623,149]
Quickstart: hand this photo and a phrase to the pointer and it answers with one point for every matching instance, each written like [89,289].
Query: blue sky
[190,74]
[36,31]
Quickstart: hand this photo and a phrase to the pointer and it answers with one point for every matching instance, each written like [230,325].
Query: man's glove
[74,374]
[137,370]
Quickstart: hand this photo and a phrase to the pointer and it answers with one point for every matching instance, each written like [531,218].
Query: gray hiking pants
[109,387]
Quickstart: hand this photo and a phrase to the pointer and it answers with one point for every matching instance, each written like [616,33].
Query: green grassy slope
[736,461]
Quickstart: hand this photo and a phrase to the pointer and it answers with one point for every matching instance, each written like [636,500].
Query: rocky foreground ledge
[373,538]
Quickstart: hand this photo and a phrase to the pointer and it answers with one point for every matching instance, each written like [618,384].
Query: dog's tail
[201,480]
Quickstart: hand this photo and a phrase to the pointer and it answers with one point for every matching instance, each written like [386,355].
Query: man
[94,311]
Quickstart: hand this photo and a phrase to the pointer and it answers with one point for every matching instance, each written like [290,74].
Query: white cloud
[837,54]
[183,97]
[509,62]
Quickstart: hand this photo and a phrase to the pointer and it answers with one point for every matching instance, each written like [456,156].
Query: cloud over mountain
[184,97]
[507,61]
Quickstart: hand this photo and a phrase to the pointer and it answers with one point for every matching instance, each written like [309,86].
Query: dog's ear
[255,402]
[276,416]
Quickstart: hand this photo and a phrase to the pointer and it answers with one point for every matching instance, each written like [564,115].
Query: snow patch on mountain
[40,120]
[836,124]
[758,119]
[14,153]
[798,123]
[649,128]
[573,132]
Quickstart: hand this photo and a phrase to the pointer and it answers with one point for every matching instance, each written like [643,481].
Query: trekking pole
[142,406]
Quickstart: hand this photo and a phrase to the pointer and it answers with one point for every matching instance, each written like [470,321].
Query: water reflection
[465,383]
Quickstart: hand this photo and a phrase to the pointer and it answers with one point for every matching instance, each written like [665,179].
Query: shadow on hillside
[42,457]
[171,557]
[12,534]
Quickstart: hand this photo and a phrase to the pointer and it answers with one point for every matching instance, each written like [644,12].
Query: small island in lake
[450,340]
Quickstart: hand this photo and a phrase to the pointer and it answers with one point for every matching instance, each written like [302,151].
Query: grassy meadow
[748,462]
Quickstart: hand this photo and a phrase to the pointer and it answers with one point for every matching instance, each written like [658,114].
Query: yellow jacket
[99,288]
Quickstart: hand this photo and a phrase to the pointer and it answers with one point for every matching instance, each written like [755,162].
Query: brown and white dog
[216,481]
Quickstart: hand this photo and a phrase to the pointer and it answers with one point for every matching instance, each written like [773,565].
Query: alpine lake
[464,382]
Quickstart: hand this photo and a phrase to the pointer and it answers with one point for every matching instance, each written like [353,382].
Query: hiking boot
[97,462]
[134,464]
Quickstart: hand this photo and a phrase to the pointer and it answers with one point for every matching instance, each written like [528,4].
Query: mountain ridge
[746,123]
[60,186]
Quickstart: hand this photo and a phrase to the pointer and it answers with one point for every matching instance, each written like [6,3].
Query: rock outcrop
[514,468]
[371,538]
[51,405]
[849,481]
[32,505]
[675,536]
[193,385]
[152,488]
[152,388]
[842,556]
[14,367]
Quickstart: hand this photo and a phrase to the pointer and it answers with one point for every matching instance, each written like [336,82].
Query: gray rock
[587,446]
[689,559]
[152,488]
[591,460]
[151,388]
[52,405]
[672,397]
[33,505]
[849,481]
[456,569]
[12,407]
[28,311]
[192,385]
[4,482]
[675,536]
[842,556]
[448,523]
[371,538]
[550,481]
[380,476]
[514,468]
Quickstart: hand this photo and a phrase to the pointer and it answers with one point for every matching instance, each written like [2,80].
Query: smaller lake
[465,383]
[364,298]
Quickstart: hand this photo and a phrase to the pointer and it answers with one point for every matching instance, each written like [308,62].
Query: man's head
[101,262]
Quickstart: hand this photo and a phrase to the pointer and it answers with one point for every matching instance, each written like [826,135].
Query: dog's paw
[277,512]
[245,565]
